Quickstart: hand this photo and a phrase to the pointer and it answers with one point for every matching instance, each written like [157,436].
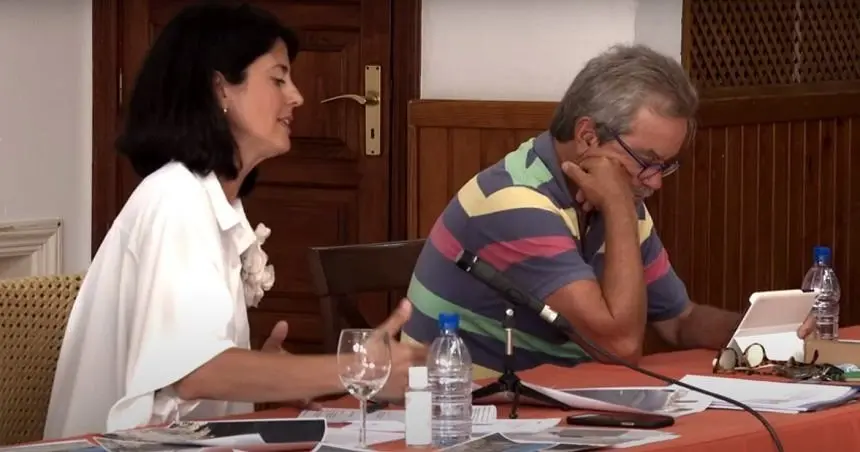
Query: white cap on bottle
[418,377]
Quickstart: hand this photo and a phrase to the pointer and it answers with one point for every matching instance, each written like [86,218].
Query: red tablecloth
[710,431]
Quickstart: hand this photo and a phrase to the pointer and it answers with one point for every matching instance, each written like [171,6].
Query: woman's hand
[403,356]
[274,344]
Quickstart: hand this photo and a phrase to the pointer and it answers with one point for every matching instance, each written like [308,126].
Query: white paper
[378,426]
[498,442]
[249,439]
[515,426]
[177,437]
[770,396]
[682,402]
[323,447]
[349,437]
[481,414]
[593,436]
[54,446]
[496,426]
[567,438]
[121,445]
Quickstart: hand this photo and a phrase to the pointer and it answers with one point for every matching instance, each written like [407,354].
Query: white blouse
[162,297]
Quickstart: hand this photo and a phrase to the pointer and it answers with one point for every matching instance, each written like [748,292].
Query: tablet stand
[509,382]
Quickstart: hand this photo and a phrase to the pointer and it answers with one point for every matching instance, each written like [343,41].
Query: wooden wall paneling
[446,150]
[765,180]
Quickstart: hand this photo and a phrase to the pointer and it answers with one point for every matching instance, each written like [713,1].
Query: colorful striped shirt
[519,216]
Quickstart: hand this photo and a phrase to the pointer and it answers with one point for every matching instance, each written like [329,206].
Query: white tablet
[772,320]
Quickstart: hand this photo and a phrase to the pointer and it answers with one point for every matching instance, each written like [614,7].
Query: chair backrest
[33,316]
[342,272]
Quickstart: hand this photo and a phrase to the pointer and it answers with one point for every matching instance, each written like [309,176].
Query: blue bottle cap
[449,321]
[821,254]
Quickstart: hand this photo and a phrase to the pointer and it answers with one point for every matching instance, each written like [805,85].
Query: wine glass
[363,364]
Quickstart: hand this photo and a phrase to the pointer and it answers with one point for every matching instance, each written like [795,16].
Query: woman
[159,330]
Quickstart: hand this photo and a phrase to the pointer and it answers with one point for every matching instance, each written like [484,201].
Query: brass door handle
[373,108]
[371,98]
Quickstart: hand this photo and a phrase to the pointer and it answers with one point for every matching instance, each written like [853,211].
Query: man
[563,216]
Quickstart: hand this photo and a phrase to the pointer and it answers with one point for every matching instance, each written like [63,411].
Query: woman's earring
[225,110]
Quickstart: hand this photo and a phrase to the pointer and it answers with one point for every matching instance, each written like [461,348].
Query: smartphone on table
[625,420]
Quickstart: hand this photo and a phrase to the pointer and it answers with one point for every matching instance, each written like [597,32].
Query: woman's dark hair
[174,113]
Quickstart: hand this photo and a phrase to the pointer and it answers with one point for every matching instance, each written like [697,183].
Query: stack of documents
[388,425]
[771,396]
[481,414]
[666,400]
[672,401]
[567,439]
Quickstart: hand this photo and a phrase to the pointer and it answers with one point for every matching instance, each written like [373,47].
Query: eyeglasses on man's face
[647,169]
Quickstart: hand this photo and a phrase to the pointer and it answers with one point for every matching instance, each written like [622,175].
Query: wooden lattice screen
[746,43]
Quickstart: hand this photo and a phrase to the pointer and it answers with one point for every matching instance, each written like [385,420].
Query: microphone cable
[669,380]
[495,280]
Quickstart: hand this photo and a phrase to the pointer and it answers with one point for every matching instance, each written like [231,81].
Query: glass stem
[362,432]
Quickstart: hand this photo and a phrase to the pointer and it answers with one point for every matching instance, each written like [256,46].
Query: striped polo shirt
[519,216]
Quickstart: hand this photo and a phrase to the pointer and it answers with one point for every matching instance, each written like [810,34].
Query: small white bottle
[419,409]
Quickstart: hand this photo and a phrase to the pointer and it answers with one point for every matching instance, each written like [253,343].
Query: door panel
[325,191]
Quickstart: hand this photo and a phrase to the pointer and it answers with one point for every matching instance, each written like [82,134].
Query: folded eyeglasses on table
[754,361]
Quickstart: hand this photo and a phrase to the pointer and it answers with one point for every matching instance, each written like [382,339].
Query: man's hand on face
[602,181]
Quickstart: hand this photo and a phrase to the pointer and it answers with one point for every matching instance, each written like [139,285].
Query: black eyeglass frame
[648,170]
[754,360]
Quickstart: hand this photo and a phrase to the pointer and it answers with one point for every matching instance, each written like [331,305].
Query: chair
[33,316]
[342,272]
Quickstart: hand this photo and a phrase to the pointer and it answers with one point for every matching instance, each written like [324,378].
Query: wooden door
[325,191]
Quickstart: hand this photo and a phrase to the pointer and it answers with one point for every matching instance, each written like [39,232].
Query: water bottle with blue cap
[821,279]
[449,368]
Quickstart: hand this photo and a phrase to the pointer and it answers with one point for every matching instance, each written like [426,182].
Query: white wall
[472,49]
[46,118]
[531,50]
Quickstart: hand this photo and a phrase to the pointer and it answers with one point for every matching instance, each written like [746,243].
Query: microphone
[493,278]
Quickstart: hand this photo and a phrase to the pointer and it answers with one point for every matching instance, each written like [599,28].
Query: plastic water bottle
[821,278]
[449,366]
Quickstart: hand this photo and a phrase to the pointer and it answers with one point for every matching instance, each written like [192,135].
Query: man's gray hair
[615,85]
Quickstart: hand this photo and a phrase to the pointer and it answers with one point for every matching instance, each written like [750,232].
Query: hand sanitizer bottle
[418,409]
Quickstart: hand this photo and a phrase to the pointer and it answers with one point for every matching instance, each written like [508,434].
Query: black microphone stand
[509,382]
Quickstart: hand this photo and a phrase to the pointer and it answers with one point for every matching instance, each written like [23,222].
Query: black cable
[673,381]
[492,278]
